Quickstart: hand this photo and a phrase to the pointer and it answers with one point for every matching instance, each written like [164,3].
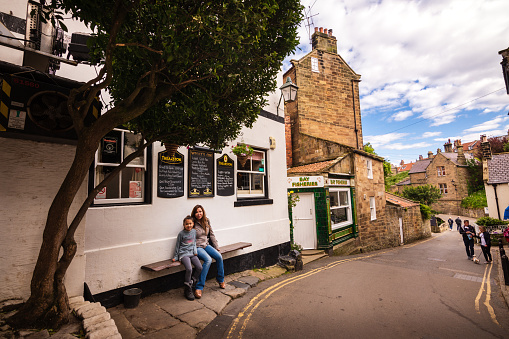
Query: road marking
[480,292]
[491,311]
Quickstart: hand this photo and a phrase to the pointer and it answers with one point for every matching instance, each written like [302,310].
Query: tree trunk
[48,305]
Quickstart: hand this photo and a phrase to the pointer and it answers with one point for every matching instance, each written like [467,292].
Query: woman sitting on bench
[208,249]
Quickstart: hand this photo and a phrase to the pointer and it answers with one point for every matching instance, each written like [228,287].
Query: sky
[430,70]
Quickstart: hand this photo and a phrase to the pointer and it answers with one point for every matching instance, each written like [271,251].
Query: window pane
[132,182]
[109,150]
[243,182]
[343,198]
[257,183]
[258,162]
[338,215]
[246,167]
[131,143]
[334,201]
[112,189]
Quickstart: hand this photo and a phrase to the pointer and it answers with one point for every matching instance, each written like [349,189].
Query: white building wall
[503,199]
[31,176]
[119,240]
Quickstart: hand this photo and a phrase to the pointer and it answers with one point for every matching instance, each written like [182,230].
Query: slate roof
[420,166]
[317,167]
[454,157]
[396,200]
[404,182]
[498,168]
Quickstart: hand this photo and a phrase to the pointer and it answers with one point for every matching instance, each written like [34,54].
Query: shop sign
[310,182]
[337,182]
[135,189]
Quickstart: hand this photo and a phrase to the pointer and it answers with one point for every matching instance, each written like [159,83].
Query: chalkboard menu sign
[170,175]
[201,174]
[225,176]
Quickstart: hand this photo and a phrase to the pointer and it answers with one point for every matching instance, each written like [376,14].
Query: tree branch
[139,45]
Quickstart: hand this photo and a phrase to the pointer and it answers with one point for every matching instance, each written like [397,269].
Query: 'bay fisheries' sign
[305,182]
[170,175]
[225,177]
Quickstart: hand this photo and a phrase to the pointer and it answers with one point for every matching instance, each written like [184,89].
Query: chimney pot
[316,29]
[321,29]
[430,154]
[420,157]
[330,32]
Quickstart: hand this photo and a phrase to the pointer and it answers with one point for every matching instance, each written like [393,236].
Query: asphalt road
[424,290]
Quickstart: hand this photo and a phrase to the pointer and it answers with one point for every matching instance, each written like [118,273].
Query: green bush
[489,221]
[425,211]
[475,200]
[394,179]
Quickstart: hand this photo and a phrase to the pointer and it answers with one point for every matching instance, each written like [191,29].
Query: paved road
[423,290]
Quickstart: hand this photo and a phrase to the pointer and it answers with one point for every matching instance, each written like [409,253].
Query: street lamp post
[288,92]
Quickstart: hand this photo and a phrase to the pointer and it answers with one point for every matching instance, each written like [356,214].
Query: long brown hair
[204,221]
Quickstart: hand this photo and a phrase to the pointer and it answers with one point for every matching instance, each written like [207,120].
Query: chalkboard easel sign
[201,174]
[170,175]
[225,178]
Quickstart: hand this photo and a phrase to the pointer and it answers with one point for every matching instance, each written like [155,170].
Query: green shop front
[323,214]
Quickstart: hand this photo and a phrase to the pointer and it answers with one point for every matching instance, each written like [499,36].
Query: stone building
[407,216]
[341,187]
[446,170]
[496,181]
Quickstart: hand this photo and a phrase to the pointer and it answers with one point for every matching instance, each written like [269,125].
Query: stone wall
[312,149]
[414,228]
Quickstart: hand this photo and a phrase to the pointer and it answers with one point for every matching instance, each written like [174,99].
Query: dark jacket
[465,229]
[486,238]
[458,221]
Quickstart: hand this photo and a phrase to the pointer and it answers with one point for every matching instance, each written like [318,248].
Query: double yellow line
[486,279]
[245,315]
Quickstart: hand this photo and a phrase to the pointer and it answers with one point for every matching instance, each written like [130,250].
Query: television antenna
[309,20]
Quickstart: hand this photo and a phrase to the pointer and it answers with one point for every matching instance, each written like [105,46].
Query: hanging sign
[201,174]
[170,175]
[225,176]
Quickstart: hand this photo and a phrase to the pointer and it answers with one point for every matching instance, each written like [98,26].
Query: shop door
[304,228]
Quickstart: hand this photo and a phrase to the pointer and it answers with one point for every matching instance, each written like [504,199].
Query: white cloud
[381,140]
[400,116]
[488,125]
[431,134]
[400,146]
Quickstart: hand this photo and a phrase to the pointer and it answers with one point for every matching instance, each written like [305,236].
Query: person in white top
[484,236]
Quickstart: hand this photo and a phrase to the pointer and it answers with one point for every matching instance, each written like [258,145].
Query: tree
[191,72]
[425,194]
[369,148]
[475,180]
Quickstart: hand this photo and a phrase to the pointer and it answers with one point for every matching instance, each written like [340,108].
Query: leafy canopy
[425,194]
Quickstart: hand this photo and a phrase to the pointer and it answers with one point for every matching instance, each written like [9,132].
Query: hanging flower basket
[170,148]
[242,159]
[243,152]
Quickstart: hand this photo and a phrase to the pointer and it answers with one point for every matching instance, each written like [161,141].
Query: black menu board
[201,174]
[225,176]
[170,175]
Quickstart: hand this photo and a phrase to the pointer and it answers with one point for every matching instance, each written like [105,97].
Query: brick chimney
[420,157]
[486,155]
[430,154]
[323,40]
[448,146]
[401,163]
[439,150]
[461,156]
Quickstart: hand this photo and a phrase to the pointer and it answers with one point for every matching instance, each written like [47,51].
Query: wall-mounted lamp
[288,92]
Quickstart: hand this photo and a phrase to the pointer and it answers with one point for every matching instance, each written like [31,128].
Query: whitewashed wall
[31,176]
[503,199]
[119,240]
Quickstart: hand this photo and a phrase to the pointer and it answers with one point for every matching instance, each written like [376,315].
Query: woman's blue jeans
[207,254]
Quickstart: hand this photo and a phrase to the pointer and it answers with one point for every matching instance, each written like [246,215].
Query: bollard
[505,268]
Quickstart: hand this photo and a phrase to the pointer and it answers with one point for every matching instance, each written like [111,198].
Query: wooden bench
[161,265]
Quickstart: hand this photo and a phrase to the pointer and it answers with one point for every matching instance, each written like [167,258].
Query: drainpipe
[355,115]
[496,200]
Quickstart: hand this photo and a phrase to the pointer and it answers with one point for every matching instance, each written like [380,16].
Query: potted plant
[243,152]
[171,148]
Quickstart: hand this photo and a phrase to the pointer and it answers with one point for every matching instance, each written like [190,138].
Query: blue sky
[430,69]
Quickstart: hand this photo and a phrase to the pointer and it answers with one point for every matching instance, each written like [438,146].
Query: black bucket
[132,297]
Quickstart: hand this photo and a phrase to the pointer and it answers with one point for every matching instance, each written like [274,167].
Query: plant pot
[132,297]
[170,148]
[242,159]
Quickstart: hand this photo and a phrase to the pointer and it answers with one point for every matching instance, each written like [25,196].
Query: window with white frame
[251,178]
[372,207]
[340,207]
[129,185]
[370,168]
[443,188]
[441,171]
[314,65]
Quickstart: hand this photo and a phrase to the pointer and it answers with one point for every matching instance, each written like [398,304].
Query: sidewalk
[171,315]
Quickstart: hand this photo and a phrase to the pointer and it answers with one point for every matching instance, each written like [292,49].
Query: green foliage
[475,180]
[297,247]
[293,199]
[426,211]
[368,148]
[489,221]
[425,194]
[387,168]
[394,179]
[506,147]
[242,149]
[475,200]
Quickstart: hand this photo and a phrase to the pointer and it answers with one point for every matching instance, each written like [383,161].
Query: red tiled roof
[394,199]
[406,167]
[316,167]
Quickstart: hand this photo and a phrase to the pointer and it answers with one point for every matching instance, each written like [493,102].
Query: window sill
[252,202]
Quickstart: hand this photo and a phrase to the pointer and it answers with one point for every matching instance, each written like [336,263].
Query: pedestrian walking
[458,223]
[484,236]
[468,233]
[187,253]
[451,222]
